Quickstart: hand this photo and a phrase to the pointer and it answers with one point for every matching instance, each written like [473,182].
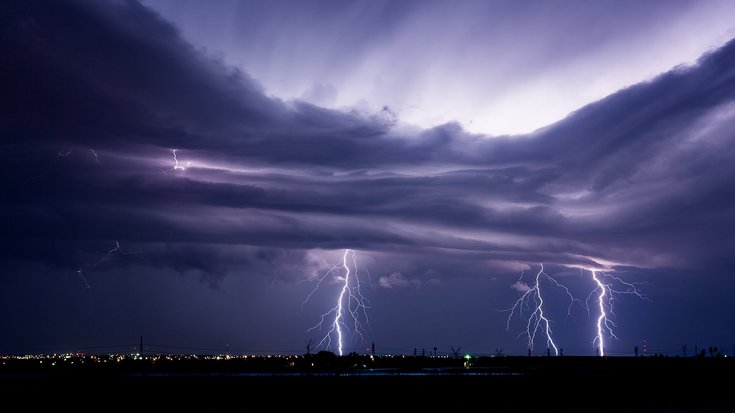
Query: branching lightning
[537,319]
[178,166]
[608,287]
[602,319]
[349,313]
[117,250]
[79,272]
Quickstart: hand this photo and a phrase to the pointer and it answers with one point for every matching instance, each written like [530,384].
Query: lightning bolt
[608,287]
[116,249]
[84,279]
[81,276]
[537,320]
[351,305]
[96,158]
[80,271]
[177,165]
[602,320]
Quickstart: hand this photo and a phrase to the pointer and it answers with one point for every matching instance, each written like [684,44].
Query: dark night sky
[451,148]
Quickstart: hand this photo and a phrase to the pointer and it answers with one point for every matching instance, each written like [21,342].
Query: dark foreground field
[556,384]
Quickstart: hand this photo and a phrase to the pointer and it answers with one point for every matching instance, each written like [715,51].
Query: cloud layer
[97,97]
[496,67]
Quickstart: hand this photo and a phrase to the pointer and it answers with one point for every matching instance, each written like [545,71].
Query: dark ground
[555,384]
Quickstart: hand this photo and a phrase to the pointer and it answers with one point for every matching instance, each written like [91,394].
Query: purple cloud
[629,180]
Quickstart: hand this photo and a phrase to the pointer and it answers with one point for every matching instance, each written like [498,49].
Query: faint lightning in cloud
[178,166]
[63,154]
[349,312]
[81,276]
[80,271]
[117,250]
[96,158]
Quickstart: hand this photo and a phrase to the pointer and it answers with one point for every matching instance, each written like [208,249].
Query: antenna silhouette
[308,346]
[457,351]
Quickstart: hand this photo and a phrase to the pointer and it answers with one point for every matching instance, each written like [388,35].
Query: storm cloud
[97,96]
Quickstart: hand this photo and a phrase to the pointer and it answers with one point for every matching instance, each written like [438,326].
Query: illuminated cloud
[520,286]
[267,188]
[630,179]
[497,67]
[397,280]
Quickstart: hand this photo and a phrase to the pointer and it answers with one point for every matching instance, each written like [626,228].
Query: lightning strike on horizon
[96,158]
[606,293]
[602,319]
[532,298]
[350,303]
